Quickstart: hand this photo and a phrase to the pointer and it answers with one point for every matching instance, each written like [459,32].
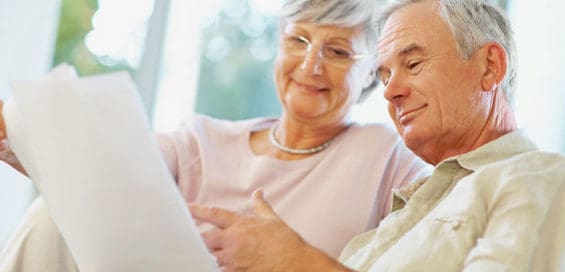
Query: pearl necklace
[301,151]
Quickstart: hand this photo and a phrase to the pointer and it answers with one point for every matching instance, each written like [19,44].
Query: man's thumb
[262,208]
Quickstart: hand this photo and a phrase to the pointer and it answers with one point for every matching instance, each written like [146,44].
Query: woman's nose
[312,62]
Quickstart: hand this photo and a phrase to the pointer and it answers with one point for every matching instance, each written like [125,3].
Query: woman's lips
[311,88]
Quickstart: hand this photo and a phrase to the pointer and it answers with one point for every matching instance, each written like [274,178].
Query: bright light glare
[266,7]
[119,28]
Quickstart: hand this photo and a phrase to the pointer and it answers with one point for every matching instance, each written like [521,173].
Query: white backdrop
[540,97]
[27,37]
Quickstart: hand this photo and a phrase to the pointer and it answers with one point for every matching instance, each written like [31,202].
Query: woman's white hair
[347,13]
[473,23]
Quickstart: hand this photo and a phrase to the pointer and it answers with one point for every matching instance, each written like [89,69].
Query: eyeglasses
[333,54]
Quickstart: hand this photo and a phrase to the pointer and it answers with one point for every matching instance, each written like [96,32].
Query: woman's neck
[300,135]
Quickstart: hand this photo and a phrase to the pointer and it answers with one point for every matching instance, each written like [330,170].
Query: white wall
[540,96]
[176,91]
[27,38]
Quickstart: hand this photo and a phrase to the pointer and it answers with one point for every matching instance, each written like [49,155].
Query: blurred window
[102,36]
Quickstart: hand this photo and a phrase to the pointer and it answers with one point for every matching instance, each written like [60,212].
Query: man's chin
[412,139]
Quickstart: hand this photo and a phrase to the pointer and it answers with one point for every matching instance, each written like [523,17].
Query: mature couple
[492,203]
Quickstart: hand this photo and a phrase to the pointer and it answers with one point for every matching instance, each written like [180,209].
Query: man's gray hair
[473,23]
[345,13]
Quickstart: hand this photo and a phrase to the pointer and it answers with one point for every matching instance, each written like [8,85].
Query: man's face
[431,90]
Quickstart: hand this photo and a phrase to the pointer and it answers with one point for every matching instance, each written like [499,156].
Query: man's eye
[413,65]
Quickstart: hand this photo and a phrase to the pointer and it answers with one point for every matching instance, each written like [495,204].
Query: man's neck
[500,121]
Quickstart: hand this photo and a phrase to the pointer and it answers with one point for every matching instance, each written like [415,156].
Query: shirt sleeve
[166,143]
[179,149]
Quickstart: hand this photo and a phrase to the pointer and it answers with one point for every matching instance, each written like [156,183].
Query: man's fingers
[218,217]
[220,258]
[2,125]
[213,240]
[262,208]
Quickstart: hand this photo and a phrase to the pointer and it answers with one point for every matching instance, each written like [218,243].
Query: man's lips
[408,115]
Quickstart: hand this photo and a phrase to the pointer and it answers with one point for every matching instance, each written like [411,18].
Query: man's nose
[398,87]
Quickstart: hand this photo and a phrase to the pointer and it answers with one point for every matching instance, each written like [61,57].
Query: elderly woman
[328,177]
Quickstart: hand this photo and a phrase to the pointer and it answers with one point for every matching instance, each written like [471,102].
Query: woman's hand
[6,154]
[2,125]
[260,242]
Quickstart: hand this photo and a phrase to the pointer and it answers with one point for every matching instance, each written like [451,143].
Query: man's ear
[494,56]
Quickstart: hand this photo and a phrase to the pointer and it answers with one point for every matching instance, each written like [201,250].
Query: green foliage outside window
[74,24]
[232,85]
[236,66]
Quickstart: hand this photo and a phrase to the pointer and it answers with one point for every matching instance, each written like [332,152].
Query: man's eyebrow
[409,49]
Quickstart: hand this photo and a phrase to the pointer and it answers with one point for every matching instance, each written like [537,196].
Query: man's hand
[260,242]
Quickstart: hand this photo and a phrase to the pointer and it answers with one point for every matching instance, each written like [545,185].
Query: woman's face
[320,71]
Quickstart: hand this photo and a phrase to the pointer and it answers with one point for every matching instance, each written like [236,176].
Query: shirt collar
[504,147]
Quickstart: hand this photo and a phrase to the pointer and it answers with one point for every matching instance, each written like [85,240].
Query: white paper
[87,146]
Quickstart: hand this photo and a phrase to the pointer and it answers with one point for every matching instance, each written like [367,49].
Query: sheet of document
[87,146]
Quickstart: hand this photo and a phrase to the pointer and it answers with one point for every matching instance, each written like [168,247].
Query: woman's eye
[335,52]
[300,40]
[297,41]
[338,52]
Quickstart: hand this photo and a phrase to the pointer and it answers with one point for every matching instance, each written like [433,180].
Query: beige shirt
[497,208]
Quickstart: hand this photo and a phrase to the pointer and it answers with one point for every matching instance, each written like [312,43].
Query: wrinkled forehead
[400,40]
[412,27]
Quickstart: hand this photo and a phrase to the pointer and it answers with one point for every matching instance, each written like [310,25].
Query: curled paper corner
[61,72]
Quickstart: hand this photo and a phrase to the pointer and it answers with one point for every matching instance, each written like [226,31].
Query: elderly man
[493,202]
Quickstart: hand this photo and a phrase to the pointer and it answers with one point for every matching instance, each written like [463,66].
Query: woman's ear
[494,57]
[369,85]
